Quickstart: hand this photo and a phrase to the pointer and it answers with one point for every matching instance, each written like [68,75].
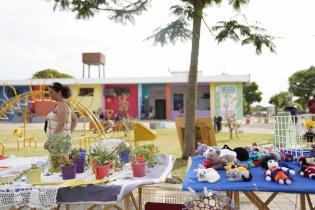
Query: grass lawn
[167,141]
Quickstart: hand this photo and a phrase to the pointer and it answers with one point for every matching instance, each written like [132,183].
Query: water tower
[93,59]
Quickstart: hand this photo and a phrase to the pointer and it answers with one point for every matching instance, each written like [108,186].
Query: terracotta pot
[101,172]
[140,158]
[139,169]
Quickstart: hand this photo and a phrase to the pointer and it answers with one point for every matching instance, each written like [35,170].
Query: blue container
[124,156]
[83,155]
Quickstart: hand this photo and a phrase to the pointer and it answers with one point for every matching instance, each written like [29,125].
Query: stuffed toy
[289,157]
[307,169]
[254,159]
[276,173]
[312,151]
[206,174]
[309,134]
[201,149]
[217,160]
[237,173]
[241,153]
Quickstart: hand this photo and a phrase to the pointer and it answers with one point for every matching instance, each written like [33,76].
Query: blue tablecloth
[300,184]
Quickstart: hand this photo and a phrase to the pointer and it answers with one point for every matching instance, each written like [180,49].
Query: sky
[34,37]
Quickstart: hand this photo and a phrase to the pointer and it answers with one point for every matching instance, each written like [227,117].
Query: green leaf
[173,32]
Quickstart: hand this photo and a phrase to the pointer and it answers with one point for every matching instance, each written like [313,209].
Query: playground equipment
[75,105]
[204,131]
[290,132]
[143,133]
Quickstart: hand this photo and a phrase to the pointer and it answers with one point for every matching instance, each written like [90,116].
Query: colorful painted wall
[228,99]
[42,103]
[91,101]
[7,92]
[112,99]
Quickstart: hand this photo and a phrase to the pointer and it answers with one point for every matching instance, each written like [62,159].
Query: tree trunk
[190,113]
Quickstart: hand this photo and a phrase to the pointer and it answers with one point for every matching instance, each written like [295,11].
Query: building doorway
[160,109]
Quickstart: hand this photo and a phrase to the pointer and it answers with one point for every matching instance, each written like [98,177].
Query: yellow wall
[92,102]
[212,99]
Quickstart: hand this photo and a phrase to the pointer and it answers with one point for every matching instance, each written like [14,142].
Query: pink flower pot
[139,169]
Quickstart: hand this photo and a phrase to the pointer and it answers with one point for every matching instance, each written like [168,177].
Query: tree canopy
[280,100]
[189,16]
[50,73]
[302,84]
[251,94]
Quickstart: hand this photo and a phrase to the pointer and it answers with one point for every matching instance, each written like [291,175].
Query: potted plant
[146,153]
[76,157]
[100,158]
[123,149]
[58,146]
[143,156]
[68,170]
[33,175]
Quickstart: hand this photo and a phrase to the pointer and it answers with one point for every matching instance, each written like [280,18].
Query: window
[117,91]
[86,92]
[178,100]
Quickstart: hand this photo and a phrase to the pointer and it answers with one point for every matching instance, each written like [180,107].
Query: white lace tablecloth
[46,197]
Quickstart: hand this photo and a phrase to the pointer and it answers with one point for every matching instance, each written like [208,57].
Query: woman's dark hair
[65,90]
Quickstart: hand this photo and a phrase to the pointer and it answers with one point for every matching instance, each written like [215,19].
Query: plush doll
[254,159]
[201,149]
[289,157]
[206,174]
[275,172]
[308,167]
[217,161]
[237,173]
[309,134]
[241,153]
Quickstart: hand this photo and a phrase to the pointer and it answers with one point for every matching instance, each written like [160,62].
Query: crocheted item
[208,200]
[21,194]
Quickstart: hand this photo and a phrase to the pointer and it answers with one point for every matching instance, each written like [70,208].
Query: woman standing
[61,119]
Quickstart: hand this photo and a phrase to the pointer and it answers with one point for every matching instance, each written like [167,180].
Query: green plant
[100,156]
[58,146]
[122,147]
[148,151]
[75,154]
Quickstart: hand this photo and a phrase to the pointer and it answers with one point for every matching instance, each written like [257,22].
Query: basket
[164,193]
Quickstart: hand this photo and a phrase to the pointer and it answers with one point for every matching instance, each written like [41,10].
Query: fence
[289,132]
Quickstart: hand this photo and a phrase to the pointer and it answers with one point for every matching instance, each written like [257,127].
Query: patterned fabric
[52,122]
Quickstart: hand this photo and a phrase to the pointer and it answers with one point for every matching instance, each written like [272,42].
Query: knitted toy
[201,149]
[206,174]
[217,159]
[254,159]
[237,173]
[307,169]
[241,153]
[275,172]
[309,134]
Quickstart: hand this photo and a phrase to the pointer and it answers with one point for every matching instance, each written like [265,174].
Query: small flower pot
[140,158]
[101,171]
[124,156]
[139,169]
[68,171]
[80,165]
[83,155]
[33,176]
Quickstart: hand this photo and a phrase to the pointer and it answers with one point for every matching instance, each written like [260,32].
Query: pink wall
[111,102]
